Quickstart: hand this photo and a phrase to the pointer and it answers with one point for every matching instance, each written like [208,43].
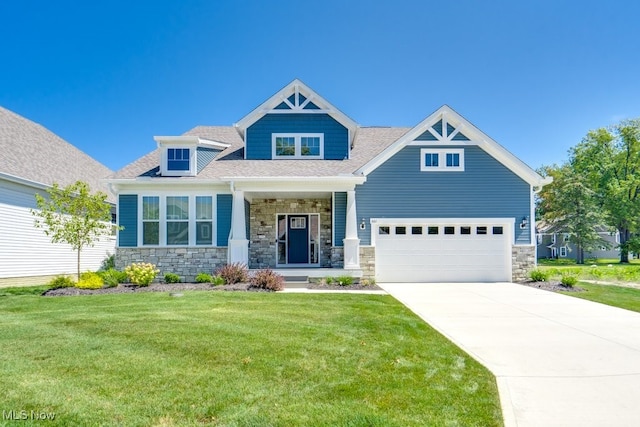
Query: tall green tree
[571,206]
[609,160]
[74,216]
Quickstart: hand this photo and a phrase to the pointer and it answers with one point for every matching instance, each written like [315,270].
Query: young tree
[609,159]
[572,207]
[74,216]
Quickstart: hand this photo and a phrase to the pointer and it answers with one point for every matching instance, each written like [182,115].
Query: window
[416,230]
[465,230]
[449,230]
[539,237]
[497,230]
[177,220]
[150,220]
[298,146]
[566,237]
[442,159]
[401,230]
[481,230]
[298,223]
[178,159]
[563,251]
[383,230]
[204,220]
[432,230]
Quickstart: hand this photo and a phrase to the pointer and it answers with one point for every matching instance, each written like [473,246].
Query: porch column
[238,243]
[351,241]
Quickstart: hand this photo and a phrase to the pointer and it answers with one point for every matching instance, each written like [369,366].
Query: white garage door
[428,250]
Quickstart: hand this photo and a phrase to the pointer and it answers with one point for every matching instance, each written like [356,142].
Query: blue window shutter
[128,218]
[223,218]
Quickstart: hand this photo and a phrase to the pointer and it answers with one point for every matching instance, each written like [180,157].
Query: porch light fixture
[363,225]
[524,222]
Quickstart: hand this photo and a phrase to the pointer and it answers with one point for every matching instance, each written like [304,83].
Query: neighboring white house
[32,158]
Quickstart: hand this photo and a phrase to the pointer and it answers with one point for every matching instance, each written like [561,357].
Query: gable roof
[30,152]
[435,130]
[296,97]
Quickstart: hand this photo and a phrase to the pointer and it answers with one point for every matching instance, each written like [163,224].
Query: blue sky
[109,75]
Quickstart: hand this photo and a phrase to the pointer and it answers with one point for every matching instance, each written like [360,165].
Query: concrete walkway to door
[558,360]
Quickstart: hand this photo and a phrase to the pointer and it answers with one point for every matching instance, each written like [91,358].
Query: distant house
[297,184]
[31,159]
[552,242]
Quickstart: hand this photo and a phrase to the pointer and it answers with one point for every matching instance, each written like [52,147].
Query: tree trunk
[580,255]
[78,264]
[625,234]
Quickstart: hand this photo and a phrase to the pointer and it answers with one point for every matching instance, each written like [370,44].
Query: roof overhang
[188,140]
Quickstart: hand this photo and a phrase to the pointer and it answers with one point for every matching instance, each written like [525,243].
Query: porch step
[301,279]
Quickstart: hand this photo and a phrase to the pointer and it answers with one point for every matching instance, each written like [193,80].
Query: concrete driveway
[558,360]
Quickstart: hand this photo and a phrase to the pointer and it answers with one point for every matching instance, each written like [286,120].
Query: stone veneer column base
[368,262]
[185,262]
[523,260]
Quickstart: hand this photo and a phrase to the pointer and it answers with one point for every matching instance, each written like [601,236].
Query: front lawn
[617,296]
[606,270]
[235,359]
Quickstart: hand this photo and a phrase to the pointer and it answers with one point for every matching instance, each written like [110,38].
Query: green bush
[113,277]
[233,273]
[204,278]
[568,280]
[141,274]
[90,281]
[108,263]
[329,280]
[171,278]
[217,280]
[538,275]
[368,282]
[61,282]
[344,280]
[267,279]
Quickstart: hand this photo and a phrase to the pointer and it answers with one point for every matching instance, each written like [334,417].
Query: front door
[298,247]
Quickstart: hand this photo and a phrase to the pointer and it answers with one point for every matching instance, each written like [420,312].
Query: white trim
[470,131]
[563,249]
[442,160]
[297,147]
[189,141]
[296,87]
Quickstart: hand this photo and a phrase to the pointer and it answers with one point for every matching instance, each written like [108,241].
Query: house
[31,159]
[552,242]
[296,183]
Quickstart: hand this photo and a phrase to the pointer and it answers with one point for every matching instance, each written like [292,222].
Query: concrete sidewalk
[558,360]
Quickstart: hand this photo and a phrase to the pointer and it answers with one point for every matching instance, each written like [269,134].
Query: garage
[443,250]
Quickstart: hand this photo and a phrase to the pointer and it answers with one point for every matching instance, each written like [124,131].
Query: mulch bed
[554,286]
[353,287]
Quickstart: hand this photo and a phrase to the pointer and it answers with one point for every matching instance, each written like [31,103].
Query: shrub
[267,279]
[568,280]
[204,278]
[112,277]
[108,263]
[217,280]
[344,280]
[538,275]
[329,280]
[90,281]
[368,282]
[233,273]
[61,282]
[171,278]
[141,274]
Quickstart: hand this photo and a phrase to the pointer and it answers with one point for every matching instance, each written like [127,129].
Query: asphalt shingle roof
[369,142]
[32,152]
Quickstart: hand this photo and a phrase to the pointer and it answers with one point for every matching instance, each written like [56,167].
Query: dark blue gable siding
[205,156]
[224,203]
[339,217]
[258,136]
[128,218]
[485,189]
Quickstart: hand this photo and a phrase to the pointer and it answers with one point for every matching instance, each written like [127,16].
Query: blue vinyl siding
[128,218]
[223,218]
[485,189]
[336,136]
[205,156]
[339,217]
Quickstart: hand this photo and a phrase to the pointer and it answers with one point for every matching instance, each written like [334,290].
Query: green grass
[605,269]
[236,359]
[617,296]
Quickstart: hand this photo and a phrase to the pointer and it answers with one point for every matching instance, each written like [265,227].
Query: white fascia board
[169,184]
[189,141]
[24,181]
[288,184]
[282,95]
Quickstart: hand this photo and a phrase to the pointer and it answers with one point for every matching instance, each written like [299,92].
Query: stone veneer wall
[185,262]
[523,260]
[337,256]
[262,246]
[368,262]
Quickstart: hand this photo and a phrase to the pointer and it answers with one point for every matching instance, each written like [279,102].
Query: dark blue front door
[298,228]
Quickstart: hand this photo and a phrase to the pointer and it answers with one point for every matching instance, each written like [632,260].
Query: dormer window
[298,146]
[178,159]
